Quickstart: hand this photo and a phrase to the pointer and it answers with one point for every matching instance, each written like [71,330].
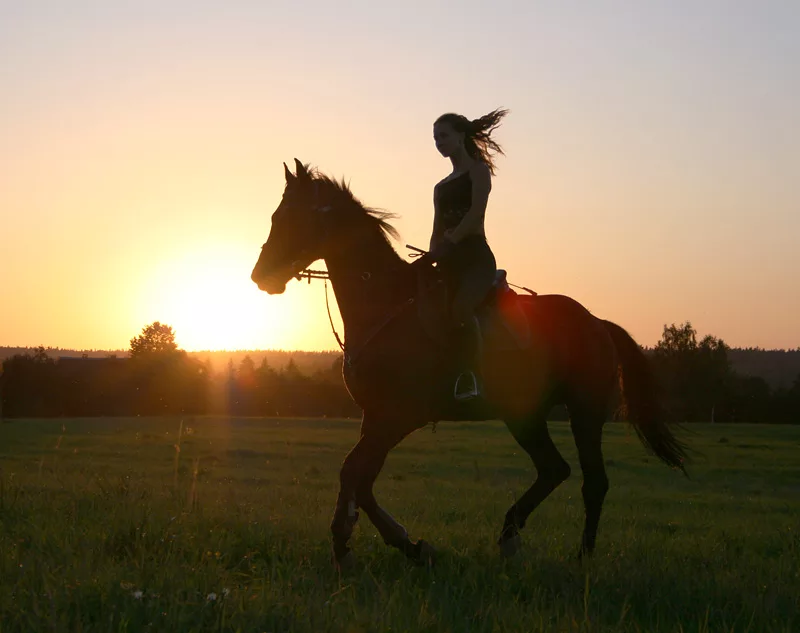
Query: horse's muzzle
[271,284]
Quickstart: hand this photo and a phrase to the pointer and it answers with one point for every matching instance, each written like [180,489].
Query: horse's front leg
[345,515]
[344,520]
[395,534]
[359,472]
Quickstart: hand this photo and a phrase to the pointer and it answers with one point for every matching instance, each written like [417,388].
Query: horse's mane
[379,217]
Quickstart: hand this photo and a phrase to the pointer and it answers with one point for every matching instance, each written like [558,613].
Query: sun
[207,296]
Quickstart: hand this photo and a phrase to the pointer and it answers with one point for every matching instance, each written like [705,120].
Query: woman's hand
[441,251]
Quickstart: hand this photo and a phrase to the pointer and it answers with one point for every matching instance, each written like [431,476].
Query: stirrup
[471,390]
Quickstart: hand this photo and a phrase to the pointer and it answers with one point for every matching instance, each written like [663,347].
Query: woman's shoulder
[481,175]
[480,169]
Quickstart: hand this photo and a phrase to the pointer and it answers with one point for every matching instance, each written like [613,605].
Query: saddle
[503,324]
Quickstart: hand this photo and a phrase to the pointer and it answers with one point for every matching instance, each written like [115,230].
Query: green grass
[94,511]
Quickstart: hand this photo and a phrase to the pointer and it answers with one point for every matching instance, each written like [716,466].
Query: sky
[652,161]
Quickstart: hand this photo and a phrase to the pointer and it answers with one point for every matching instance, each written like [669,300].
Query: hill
[779,368]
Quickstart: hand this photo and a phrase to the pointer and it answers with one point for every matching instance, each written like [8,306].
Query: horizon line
[315,351]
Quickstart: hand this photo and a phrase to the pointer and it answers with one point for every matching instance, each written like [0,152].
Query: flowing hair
[478,139]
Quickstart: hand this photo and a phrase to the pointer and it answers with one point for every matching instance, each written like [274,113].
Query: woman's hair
[478,134]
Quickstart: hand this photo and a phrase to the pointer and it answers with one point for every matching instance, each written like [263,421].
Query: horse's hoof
[347,561]
[426,554]
[510,546]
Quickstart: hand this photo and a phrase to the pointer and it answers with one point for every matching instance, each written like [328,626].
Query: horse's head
[299,230]
[317,218]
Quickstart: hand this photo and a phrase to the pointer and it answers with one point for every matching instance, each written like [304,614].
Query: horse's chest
[395,380]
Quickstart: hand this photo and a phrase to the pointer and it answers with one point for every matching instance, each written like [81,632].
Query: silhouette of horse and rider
[445,338]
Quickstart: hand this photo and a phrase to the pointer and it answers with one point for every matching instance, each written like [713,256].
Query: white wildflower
[137,594]
[211,597]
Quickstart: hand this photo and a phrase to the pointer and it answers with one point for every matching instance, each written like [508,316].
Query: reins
[310,274]
[349,359]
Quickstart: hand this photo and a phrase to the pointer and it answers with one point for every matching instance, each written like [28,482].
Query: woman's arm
[481,186]
[436,234]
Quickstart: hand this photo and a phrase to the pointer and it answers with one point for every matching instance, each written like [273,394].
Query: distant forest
[777,367]
[701,380]
[306,362]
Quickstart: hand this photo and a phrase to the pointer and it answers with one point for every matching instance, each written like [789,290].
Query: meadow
[221,524]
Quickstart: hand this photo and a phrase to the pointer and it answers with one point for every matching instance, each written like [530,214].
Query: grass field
[105,526]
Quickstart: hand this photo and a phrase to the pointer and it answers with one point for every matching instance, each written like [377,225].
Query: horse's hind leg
[551,468]
[587,429]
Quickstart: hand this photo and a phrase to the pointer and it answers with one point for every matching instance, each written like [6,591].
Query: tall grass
[217,524]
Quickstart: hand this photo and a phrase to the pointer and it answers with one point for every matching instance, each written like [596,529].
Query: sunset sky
[652,166]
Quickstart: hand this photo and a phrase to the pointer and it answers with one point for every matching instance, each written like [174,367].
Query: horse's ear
[302,174]
[290,177]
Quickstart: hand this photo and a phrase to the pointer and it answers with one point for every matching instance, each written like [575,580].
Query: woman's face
[448,140]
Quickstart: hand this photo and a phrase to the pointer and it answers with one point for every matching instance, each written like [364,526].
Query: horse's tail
[640,400]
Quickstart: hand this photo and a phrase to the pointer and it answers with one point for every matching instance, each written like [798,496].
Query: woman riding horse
[458,242]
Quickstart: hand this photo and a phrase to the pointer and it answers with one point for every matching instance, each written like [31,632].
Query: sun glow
[208,298]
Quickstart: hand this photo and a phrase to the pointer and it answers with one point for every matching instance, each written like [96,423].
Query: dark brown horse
[393,368]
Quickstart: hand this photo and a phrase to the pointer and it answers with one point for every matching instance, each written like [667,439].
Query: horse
[393,369]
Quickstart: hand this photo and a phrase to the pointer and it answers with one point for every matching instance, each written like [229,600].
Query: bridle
[350,355]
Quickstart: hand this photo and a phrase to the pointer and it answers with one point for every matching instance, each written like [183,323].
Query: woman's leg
[476,278]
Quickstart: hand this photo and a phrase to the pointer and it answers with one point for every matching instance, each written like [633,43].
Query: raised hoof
[424,554]
[347,561]
[510,546]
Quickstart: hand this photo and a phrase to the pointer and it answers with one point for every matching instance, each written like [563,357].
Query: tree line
[158,378]
[699,384]
[696,380]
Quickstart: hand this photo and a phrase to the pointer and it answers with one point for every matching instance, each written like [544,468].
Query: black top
[454,198]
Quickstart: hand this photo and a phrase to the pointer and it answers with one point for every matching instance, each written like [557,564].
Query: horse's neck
[364,277]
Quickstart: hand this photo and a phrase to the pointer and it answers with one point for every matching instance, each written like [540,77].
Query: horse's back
[576,342]
[558,313]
